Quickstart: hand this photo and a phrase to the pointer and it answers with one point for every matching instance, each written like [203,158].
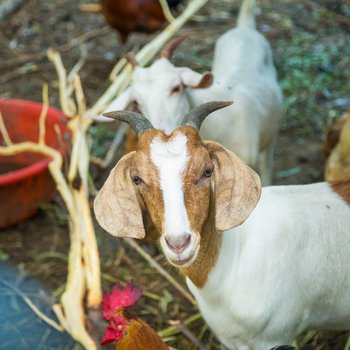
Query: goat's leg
[265,165]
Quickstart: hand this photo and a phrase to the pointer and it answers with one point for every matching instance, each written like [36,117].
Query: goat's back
[244,72]
[242,52]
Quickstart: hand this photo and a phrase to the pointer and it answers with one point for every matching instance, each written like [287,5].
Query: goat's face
[175,178]
[159,92]
[184,169]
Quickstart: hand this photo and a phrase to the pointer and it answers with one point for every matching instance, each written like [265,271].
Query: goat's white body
[284,270]
[244,72]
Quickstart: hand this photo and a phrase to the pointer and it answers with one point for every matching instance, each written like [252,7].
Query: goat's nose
[178,243]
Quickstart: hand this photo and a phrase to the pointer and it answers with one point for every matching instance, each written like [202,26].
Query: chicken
[332,135]
[130,332]
[338,162]
[145,16]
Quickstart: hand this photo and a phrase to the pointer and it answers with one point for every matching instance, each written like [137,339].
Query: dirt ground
[311,45]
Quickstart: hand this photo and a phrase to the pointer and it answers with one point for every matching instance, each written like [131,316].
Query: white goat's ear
[237,187]
[195,80]
[120,103]
[116,205]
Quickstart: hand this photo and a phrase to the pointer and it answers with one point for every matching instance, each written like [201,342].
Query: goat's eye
[136,179]
[176,89]
[208,172]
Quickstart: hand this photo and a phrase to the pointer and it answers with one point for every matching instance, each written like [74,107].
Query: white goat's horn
[136,120]
[169,48]
[197,115]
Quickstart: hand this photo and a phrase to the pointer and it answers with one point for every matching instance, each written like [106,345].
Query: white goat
[243,72]
[262,270]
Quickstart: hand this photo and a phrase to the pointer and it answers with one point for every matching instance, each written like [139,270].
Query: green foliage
[164,301]
[314,74]
[101,137]
[3,256]
[55,213]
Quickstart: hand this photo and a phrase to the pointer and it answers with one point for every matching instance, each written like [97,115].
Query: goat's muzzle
[178,244]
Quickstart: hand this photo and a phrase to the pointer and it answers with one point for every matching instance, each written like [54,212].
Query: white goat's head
[179,179]
[159,90]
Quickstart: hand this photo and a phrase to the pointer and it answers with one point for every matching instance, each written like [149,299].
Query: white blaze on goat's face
[170,158]
[159,93]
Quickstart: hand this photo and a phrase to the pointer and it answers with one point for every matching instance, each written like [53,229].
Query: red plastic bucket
[25,181]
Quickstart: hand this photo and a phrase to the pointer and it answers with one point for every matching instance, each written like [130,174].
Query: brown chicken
[332,135]
[338,162]
[124,327]
[127,16]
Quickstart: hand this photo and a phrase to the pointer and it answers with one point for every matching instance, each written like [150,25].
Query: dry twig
[166,10]
[90,7]
[83,263]
[43,115]
[183,329]
[4,132]
[172,330]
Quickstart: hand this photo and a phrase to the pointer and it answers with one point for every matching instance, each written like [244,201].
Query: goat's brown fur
[199,270]
[338,162]
[342,188]
[333,134]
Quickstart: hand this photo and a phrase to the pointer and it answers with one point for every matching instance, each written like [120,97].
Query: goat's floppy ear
[195,80]
[120,103]
[237,187]
[116,206]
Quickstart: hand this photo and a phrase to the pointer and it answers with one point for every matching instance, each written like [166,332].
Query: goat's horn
[136,120]
[196,117]
[132,59]
[169,48]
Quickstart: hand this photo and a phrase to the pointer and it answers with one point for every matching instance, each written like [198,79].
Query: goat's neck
[208,252]
[197,96]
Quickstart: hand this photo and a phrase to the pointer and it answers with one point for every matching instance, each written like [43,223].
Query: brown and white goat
[242,71]
[264,268]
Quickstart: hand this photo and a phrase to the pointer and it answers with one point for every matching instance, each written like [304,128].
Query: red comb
[119,298]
